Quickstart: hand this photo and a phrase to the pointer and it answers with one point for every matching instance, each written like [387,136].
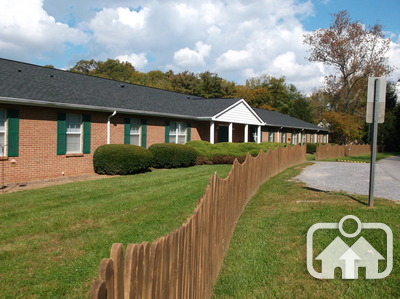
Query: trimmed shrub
[225,159]
[226,152]
[171,155]
[218,159]
[207,149]
[311,148]
[121,159]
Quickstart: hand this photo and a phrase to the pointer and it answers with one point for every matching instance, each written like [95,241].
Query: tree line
[264,92]
[354,51]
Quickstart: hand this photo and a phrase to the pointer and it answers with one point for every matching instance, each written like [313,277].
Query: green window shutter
[86,133]
[13,133]
[127,131]
[261,133]
[61,134]
[144,133]
[166,137]
[189,132]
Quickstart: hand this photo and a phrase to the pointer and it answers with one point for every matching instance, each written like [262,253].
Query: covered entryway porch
[237,123]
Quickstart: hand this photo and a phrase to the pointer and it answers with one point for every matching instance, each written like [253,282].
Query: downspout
[109,127]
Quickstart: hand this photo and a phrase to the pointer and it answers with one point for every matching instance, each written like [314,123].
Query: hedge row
[227,152]
[170,155]
[218,159]
[121,159]
[128,159]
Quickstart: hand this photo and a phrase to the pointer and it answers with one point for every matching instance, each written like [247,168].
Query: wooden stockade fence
[185,263]
[327,151]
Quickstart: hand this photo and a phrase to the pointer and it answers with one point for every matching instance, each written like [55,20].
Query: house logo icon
[350,258]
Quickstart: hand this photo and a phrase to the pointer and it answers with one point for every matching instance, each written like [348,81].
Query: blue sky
[238,39]
[369,12]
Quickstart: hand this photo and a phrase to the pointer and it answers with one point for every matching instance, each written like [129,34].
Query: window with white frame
[312,138]
[74,133]
[303,137]
[177,132]
[271,136]
[2,132]
[294,138]
[283,137]
[134,138]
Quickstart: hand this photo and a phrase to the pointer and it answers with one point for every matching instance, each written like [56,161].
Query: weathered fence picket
[327,151]
[186,262]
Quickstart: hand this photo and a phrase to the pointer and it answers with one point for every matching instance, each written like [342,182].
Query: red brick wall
[238,133]
[155,129]
[38,157]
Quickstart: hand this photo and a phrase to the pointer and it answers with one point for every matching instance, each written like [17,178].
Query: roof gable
[239,112]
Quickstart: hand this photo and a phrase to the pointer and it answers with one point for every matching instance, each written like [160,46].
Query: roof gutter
[20,101]
[300,128]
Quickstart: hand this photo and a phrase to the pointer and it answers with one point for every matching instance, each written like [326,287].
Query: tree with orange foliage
[356,53]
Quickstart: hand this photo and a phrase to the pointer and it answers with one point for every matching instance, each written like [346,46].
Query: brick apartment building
[51,121]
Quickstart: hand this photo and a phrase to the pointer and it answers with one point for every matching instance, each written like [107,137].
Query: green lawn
[53,239]
[267,254]
[364,158]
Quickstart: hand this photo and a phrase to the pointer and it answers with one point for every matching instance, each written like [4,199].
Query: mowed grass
[267,254]
[364,158]
[53,239]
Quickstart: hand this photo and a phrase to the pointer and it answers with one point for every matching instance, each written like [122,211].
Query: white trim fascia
[19,101]
[291,127]
[241,101]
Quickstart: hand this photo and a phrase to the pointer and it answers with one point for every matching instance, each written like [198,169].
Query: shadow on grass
[360,201]
[315,190]
[356,199]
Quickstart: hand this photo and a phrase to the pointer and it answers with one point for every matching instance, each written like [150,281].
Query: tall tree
[389,131]
[111,69]
[85,66]
[272,93]
[115,69]
[355,52]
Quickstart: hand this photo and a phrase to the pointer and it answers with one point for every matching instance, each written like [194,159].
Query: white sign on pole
[376,89]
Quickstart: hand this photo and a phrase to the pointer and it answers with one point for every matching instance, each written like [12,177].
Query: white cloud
[187,58]
[237,39]
[26,30]
[394,59]
[139,61]
[233,60]
[117,28]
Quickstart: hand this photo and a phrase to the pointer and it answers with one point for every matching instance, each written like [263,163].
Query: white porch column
[259,134]
[246,133]
[212,127]
[230,132]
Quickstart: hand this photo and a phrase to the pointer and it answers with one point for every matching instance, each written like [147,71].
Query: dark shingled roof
[30,82]
[276,119]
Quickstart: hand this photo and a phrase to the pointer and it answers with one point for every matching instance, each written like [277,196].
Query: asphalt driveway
[353,178]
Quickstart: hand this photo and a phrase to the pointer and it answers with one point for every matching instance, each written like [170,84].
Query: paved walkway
[353,178]
[391,166]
